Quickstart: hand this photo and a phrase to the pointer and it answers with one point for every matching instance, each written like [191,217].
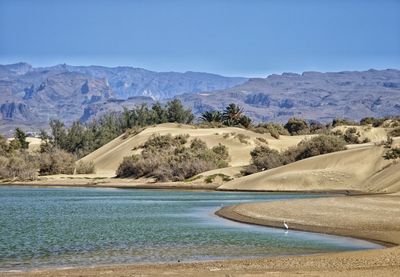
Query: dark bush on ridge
[296,126]
[266,158]
[319,145]
[342,121]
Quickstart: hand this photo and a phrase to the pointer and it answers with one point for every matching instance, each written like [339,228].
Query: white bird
[285,224]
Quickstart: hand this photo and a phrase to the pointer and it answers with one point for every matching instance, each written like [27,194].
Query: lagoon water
[59,227]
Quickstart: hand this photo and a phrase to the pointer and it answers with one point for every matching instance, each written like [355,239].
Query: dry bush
[85,167]
[395,132]
[274,129]
[241,137]
[56,161]
[20,166]
[167,158]
[225,178]
[263,140]
[264,158]
[132,132]
[249,169]
[393,153]
[351,135]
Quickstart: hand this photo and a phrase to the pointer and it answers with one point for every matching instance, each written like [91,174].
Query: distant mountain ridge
[311,95]
[30,96]
[34,95]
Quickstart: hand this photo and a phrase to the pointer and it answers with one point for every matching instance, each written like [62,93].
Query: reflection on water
[52,227]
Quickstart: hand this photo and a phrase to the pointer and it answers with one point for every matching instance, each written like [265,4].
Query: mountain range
[30,96]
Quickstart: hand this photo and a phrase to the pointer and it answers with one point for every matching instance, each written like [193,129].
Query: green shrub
[265,158]
[85,167]
[297,126]
[319,145]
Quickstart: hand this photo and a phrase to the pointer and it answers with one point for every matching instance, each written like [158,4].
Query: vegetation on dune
[81,140]
[393,150]
[274,129]
[169,158]
[297,126]
[351,136]
[263,157]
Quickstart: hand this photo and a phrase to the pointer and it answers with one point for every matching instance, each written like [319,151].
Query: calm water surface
[57,227]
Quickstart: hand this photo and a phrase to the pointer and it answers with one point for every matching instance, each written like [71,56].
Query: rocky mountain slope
[311,95]
[31,96]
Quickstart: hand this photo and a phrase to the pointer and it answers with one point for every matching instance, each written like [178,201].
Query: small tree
[19,141]
[177,113]
[297,126]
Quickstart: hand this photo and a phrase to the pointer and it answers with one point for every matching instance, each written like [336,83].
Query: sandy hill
[239,142]
[360,169]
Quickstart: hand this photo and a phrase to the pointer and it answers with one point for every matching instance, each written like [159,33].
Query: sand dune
[360,169]
[108,157]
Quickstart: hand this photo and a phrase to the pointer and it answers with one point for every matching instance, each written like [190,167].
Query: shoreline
[183,186]
[384,262]
[230,214]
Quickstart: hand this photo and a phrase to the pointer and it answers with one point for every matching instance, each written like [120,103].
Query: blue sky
[230,37]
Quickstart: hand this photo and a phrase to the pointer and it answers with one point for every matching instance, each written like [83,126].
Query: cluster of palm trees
[232,115]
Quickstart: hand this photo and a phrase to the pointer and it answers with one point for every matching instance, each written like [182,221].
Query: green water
[54,227]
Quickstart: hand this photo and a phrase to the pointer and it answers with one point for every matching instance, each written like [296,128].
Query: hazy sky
[231,37]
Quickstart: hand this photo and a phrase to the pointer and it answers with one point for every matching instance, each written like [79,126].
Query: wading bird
[285,224]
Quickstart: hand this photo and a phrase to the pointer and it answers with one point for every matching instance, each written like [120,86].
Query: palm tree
[211,116]
[232,114]
[245,121]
